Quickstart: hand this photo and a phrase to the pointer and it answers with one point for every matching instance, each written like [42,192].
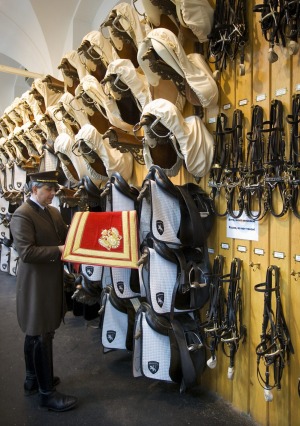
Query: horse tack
[275,164]
[111,109]
[293,120]
[128,87]
[95,113]
[275,346]
[70,75]
[235,165]
[188,137]
[103,160]
[126,31]
[253,171]
[280,25]
[96,53]
[162,52]
[162,152]
[229,35]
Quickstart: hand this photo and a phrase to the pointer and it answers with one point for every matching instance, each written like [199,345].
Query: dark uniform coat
[40,292]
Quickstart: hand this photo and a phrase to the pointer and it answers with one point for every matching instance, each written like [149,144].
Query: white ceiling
[36,34]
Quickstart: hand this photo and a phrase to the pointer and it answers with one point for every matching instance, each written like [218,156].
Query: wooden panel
[294,284]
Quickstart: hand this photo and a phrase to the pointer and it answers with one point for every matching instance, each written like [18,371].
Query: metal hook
[295,274]
[254,266]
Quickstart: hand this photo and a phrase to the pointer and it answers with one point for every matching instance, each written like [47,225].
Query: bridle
[275,346]
[254,167]
[227,164]
[294,158]
[229,34]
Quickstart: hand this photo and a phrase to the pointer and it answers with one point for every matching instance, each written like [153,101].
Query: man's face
[44,195]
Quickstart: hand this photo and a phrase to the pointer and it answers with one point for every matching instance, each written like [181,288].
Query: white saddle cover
[73,58]
[74,108]
[130,21]
[193,67]
[50,96]
[13,261]
[4,230]
[195,142]
[64,144]
[102,46]
[91,86]
[160,215]
[197,15]
[4,258]
[136,82]
[113,159]
[114,327]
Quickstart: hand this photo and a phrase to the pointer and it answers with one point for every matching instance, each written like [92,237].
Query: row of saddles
[131,80]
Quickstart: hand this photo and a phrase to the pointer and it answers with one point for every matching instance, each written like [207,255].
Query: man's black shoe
[56,401]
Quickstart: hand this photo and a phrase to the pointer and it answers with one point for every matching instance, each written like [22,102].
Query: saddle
[72,70]
[97,53]
[120,196]
[175,280]
[188,137]
[122,80]
[170,213]
[126,31]
[169,350]
[169,61]
[116,320]
[101,158]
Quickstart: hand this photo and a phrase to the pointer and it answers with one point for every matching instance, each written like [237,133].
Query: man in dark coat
[39,234]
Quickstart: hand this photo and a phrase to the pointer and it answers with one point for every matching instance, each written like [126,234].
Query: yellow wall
[275,235]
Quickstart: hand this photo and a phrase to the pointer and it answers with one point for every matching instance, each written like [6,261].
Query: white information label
[278,255]
[280,92]
[243,228]
[259,252]
[243,102]
[261,97]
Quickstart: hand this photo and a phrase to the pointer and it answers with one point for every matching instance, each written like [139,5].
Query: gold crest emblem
[110,238]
